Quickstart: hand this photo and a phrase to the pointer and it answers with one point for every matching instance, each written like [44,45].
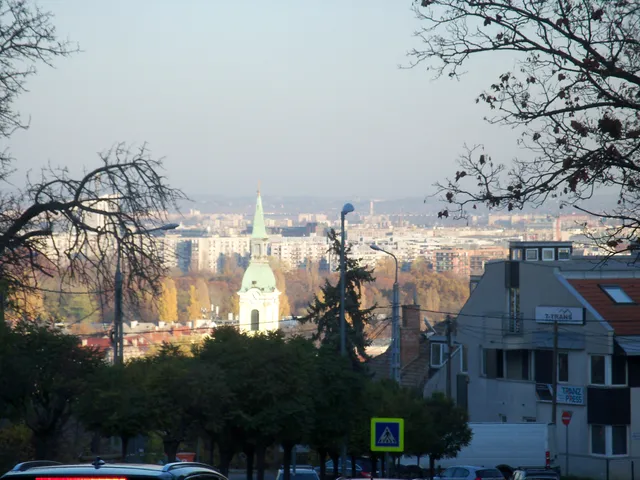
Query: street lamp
[395,320]
[347,208]
[118,327]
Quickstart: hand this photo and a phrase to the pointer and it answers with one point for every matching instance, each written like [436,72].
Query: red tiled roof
[623,318]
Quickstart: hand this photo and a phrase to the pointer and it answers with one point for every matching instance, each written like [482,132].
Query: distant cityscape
[204,240]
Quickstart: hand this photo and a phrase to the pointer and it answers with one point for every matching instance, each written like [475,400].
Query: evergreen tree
[324,310]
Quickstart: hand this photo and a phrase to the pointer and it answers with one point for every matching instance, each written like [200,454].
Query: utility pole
[118,330]
[554,376]
[346,209]
[449,348]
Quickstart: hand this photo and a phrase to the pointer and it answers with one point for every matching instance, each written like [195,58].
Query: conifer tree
[324,309]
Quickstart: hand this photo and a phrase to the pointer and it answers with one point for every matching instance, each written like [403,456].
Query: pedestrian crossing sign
[387,434]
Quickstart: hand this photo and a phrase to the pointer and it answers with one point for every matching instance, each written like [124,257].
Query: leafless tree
[574,95]
[65,227]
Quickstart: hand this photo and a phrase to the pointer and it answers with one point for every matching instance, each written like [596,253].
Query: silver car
[468,472]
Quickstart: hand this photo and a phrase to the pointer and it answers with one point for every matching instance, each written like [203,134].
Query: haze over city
[307,98]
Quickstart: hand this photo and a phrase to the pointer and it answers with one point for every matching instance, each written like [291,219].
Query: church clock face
[255,295]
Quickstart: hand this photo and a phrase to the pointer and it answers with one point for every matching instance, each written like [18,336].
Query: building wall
[481,323]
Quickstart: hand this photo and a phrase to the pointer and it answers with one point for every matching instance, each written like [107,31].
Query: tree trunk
[226,456]
[96,439]
[249,451]
[322,453]
[432,465]
[354,473]
[335,458]
[212,445]
[124,443]
[261,460]
[383,465]
[171,447]
[44,445]
[286,460]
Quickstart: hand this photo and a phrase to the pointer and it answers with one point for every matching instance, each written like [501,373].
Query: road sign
[566,417]
[387,435]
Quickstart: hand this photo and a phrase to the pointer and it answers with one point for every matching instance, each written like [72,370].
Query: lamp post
[346,209]
[118,323]
[395,320]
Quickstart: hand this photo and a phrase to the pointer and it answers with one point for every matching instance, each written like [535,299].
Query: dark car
[99,470]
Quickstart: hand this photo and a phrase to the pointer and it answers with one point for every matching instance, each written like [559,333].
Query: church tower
[259,297]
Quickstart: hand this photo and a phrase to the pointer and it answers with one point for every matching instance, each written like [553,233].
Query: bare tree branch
[575,95]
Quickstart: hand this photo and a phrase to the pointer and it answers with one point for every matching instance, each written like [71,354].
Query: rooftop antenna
[258,187]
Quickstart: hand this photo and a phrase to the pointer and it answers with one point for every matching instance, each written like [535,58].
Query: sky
[305,97]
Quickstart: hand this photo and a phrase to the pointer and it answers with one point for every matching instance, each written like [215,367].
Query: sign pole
[566,419]
[566,450]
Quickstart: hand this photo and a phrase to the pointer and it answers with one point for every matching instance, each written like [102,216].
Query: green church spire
[259,230]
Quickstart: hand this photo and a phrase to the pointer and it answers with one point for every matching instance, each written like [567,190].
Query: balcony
[512,324]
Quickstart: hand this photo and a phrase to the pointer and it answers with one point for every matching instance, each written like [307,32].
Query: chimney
[409,334]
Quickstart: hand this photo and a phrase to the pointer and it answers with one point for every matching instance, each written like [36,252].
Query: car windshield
[299,475]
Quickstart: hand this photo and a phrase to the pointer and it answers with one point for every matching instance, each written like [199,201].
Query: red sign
[566,417]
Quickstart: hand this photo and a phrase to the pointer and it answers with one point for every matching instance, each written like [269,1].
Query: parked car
[535,474]
[360,472]
[467,472]
[99,470]
[301,472]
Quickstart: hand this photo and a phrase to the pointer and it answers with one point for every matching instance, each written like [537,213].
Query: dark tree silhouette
[62,226]
[574,95]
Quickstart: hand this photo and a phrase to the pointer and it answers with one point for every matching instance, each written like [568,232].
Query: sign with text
[565,315]
[570,395]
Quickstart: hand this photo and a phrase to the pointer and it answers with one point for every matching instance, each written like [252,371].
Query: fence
[599,468]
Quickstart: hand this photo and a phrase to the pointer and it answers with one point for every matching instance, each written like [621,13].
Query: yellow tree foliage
[281,285]
[168,302]
[202,291]
[27,304]
[193,310]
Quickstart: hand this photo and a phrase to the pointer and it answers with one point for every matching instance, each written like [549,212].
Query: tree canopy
[574,95]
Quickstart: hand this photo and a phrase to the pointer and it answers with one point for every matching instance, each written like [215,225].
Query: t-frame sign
[387,435]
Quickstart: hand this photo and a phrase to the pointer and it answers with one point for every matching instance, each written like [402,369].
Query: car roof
[103,469]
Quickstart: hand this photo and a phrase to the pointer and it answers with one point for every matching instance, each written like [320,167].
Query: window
[532,254]
[437,354]
[563,367]
[514,310]
[609,440]
[608,370]
[492,363]
[518,364]
[618,440]
[598,440]
[598,370]
[564,253]
[516,254]
[616,293]
[464,359]
[529,419]
[618,370]
[255,320]
[548,254]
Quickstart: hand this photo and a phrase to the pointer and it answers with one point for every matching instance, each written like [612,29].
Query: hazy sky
[305,96]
